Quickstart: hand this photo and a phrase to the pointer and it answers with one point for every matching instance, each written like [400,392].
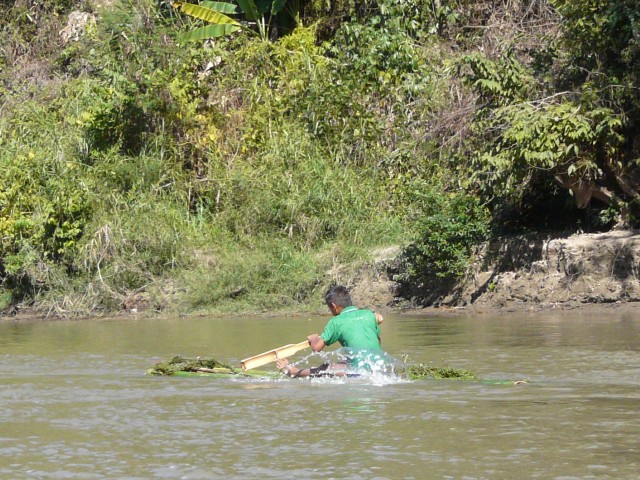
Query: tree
[601,41]
[579,127]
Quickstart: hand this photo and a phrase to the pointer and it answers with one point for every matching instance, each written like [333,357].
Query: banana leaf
[206,14]
[208,31]
[221,7]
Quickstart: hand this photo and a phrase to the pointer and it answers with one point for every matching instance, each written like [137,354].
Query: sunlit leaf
[206,14]
[208,31]
[221,7]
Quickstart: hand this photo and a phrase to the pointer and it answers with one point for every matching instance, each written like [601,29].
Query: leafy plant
[260,13]
[214,13]
[447,230]
[562,139]
[498,82]
[180,364]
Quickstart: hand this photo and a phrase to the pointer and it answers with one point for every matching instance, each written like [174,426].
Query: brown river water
[75,402]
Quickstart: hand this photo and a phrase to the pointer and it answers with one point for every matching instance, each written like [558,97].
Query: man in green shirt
[355,328]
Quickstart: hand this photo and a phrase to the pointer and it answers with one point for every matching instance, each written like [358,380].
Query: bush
[447,230]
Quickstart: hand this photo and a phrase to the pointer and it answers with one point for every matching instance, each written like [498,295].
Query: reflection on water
[76,403]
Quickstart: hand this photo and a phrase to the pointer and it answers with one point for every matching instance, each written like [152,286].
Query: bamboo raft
[209,367]
[203,367]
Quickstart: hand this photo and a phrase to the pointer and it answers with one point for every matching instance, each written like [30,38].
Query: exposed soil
[524,274]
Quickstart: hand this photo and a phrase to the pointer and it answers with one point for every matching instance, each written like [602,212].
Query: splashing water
[359,365]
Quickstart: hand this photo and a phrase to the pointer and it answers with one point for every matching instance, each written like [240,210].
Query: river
[75,402]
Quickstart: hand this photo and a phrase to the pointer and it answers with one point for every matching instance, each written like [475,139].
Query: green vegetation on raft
[422,372]
[181,364]
[209,366]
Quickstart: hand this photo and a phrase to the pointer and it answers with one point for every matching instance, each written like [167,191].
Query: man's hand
[316,342]
[282,363]
[379,318]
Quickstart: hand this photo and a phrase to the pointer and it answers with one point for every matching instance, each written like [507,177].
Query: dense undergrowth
[237,174]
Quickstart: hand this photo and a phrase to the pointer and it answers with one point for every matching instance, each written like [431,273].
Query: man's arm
[316,342]
[379,320]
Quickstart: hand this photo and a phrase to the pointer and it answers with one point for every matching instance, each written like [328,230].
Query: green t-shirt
[353,328]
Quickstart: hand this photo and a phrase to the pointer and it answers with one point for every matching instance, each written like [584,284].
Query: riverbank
[161,181]
[525,273]
[587,309]
[594,273]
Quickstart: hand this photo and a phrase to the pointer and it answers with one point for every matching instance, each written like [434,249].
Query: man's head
[337,299]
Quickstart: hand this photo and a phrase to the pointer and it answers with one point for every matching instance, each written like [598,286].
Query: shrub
[447,230]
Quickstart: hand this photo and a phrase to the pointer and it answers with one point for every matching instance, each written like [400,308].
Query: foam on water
[348,365]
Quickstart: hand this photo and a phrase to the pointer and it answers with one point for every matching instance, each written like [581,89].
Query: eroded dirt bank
[529,273]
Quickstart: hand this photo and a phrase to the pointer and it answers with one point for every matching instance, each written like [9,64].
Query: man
[355,328]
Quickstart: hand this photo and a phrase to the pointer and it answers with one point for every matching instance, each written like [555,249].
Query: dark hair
[338,295]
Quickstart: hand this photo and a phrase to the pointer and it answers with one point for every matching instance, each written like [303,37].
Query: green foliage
[5,299]
[419,18]
[235,174]
[203,366]
[448,228]
[367,99]
[166,169]
[214,13]
[523,130]
[81,151]
[27,19]
[43,202]
[375,55]
[602,55]
[180,364]
[260,13]
[497,82]
[262,276]
[561,138]
[110,115]
[385,47]
[601,35]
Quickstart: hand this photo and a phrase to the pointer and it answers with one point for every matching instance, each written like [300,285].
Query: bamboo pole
[273,355]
